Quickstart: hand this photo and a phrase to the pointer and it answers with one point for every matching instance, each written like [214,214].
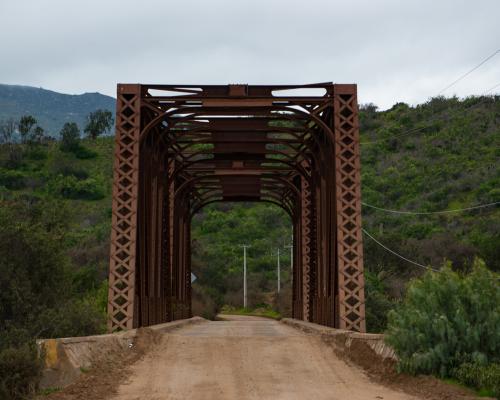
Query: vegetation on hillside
[55,202]
[451,163]
[441,155]
[54,229]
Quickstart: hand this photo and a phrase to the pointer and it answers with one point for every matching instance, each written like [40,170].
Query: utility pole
[290,246]
[244,274]
[279,283]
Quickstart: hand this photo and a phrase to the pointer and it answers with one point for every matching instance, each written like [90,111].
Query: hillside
[55,215]
[51,109]
[441,155]
[452,163]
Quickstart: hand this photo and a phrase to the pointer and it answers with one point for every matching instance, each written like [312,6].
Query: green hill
[55,215]
[410,164]
[441,155]
[51,109]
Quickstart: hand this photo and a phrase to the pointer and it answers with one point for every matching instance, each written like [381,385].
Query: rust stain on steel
[181,147]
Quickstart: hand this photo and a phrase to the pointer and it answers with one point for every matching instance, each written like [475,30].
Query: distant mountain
[51,109]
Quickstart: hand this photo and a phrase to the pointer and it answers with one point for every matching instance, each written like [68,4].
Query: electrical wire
[397,254]
[429,123]
[431,212]
[469,72]
[432,120]
[491,89]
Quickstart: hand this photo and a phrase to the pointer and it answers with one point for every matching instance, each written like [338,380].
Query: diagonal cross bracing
[181,147]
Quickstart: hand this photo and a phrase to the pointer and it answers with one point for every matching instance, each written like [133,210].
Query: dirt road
[247,358]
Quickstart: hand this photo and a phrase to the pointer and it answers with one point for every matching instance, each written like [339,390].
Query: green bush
[481,377]
[70,187]
[447,319]
[70,137]
[20,369]
[77,317]
[32,269]
[12,179]
[66,167]
[37,296]
[70,142]
[33,266]
[36,153]
[378,303]
[83,153]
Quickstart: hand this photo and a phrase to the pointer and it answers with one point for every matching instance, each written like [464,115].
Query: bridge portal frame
[181,147]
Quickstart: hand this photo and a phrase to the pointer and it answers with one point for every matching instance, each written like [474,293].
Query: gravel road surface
[247,358]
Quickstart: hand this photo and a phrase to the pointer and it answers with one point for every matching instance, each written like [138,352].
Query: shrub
[70,137]
[12,179]
[83,153]
[77,317]
[20,369]
[481,377]
[70,142]
[67,166]
[32,280]
[37,153]
[33,267]
[90,189]
[378,303]
[70,187]
[37,298]
[202,304]
[447,319]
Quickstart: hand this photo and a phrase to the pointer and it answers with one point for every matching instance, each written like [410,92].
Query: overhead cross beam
[181,147]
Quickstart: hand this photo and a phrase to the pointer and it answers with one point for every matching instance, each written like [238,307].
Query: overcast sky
[394,50]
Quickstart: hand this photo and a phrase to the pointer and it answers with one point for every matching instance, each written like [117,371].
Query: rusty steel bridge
[181,147]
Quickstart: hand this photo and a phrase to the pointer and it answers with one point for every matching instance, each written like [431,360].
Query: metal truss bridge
[181,147]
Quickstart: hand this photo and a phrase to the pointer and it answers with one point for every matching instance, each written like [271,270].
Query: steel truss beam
[179,148]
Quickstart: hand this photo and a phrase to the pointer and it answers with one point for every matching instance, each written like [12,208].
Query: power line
[397,254]
[431,212]
[469,72]
[491,89]
[429,123]
[447,87]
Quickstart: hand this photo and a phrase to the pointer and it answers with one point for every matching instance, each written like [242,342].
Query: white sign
[193,277]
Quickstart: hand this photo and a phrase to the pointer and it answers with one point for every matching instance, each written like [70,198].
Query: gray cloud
[394,50]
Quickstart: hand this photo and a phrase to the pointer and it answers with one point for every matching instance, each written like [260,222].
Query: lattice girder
[179,148]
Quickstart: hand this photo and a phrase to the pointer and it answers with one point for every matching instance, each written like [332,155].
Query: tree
[98,122]
[37,136]
[369,108]
[25,124]
[70,136]
[7,130]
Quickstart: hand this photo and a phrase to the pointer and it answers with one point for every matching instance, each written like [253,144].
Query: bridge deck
[247,358]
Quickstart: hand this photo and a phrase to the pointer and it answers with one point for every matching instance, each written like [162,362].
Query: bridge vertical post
[121,296]
[169,240]
[189,311]
[351,299]
[307,243]
[297,264]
